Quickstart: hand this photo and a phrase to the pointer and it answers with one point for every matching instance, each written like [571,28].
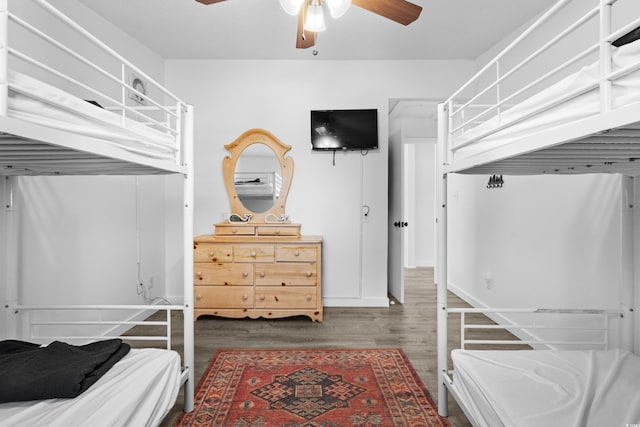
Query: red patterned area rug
[312,388]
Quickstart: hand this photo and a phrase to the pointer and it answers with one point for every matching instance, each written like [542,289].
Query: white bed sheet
[549,388]
[139,390]
[625,91]
[39,103]
[254,189]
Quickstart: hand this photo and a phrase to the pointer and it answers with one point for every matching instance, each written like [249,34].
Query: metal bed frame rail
[594,321]
[116,327]
[34,329]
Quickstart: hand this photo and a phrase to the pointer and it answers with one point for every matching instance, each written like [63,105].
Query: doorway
[411,228]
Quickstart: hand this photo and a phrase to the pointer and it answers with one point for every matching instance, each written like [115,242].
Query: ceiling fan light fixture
[315,19]
[292,7]
[337,8]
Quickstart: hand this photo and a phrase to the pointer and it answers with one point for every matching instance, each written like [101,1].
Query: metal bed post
[4,57]
[627,256]
[9,254]
[441,254]
[188,195]
[605,56]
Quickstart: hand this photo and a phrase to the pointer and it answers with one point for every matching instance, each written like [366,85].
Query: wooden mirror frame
[257,136]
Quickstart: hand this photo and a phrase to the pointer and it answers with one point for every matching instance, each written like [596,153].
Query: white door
[419,201]
[396,218]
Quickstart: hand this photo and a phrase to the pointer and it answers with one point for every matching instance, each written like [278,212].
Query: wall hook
[495,181]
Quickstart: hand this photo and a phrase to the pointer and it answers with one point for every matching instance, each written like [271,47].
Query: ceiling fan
[311,17]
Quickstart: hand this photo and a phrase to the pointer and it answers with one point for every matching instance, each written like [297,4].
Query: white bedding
[549,388]
[254,189]
[36,102]
[625,91]
[139,390]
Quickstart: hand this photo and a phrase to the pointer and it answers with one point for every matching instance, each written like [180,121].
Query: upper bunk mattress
[139,390]
[527,388]
[625,92]
[39,103]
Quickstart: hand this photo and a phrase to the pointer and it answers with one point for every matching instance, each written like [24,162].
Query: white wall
[230,97]
[541,241]
[77,239]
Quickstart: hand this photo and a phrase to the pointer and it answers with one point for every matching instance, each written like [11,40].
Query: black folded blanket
[59,370]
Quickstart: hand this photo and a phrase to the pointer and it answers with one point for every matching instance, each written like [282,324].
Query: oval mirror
[257,176]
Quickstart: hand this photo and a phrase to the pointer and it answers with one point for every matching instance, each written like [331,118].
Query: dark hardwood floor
[410,326]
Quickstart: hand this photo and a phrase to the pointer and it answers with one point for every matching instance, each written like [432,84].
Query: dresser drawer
[222,274]
[282,297]
[214,252]
[253,253]
[223,296]
[278,230]
[233,230]
[294,253]
[286,274]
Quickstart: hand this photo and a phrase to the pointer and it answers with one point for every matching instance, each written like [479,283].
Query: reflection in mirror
[257,178]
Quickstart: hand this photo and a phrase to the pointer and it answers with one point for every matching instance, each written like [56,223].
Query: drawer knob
[211,253]
[261,273]
[234,231]
[296,252]
[309,273]
[253,254]
[308,297]
[277,232]
[245,274]
[261,297]
[199,275]
[245,297]
[198,297]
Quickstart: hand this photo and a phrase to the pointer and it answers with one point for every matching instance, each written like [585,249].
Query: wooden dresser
[258,270]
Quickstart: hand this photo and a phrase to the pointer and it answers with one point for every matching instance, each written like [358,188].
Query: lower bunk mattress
[548,387]
[139,390]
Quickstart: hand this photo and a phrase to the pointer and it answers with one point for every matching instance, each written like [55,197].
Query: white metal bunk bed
[48,128]
[579,115]
[258,184]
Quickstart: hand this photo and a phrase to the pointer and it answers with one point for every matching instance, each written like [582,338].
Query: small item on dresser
[239,218]
[275,219]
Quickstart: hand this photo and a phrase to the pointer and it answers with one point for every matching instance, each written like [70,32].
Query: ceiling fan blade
[209,1]
[400,11]
[304,39]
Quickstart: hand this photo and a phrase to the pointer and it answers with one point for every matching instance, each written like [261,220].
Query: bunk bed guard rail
[590,329]
[107,79]
[486,97]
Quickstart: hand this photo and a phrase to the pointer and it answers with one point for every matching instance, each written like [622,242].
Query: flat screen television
[344,129]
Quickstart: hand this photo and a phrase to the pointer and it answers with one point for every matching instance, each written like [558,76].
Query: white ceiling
[260,29]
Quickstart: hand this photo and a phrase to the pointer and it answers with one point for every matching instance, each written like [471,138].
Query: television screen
[344,129]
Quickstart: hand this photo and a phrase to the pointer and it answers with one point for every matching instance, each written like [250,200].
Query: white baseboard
[355,302]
